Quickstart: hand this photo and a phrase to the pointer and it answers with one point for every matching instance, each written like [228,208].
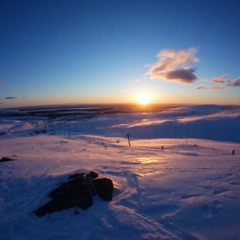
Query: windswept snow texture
[178,180]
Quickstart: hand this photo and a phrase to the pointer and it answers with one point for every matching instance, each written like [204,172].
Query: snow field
[187,190]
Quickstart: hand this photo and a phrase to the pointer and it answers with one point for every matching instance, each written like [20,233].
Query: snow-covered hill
[178,180]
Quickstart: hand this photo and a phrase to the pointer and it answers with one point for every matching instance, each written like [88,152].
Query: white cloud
[174,65]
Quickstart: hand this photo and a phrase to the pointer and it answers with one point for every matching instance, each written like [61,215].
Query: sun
[143,99]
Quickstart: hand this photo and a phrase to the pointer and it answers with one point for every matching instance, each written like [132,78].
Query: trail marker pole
[128,136]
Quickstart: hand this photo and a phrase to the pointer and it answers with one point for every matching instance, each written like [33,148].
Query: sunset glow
[144,99]
[101,52]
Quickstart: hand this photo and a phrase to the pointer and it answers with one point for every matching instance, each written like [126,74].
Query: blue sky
[115,51]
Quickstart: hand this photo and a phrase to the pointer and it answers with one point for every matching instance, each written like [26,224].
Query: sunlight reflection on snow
[145,160]
[150,166]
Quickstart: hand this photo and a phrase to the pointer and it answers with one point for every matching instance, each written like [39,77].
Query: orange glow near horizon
[144,99]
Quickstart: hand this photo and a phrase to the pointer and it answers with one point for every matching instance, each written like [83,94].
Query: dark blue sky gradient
[97,51]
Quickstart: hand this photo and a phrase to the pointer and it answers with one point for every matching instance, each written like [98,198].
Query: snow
[187,190]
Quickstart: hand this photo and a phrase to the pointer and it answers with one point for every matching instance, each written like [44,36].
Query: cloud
[234,83]
[223,80]
[182,75]
[218,88]
[10,98]
[220,80]
[174,65]
[201,87]
[204,87]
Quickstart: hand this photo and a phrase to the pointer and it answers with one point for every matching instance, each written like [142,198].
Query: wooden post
[128,136]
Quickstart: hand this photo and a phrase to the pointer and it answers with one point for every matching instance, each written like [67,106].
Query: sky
[73,51]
